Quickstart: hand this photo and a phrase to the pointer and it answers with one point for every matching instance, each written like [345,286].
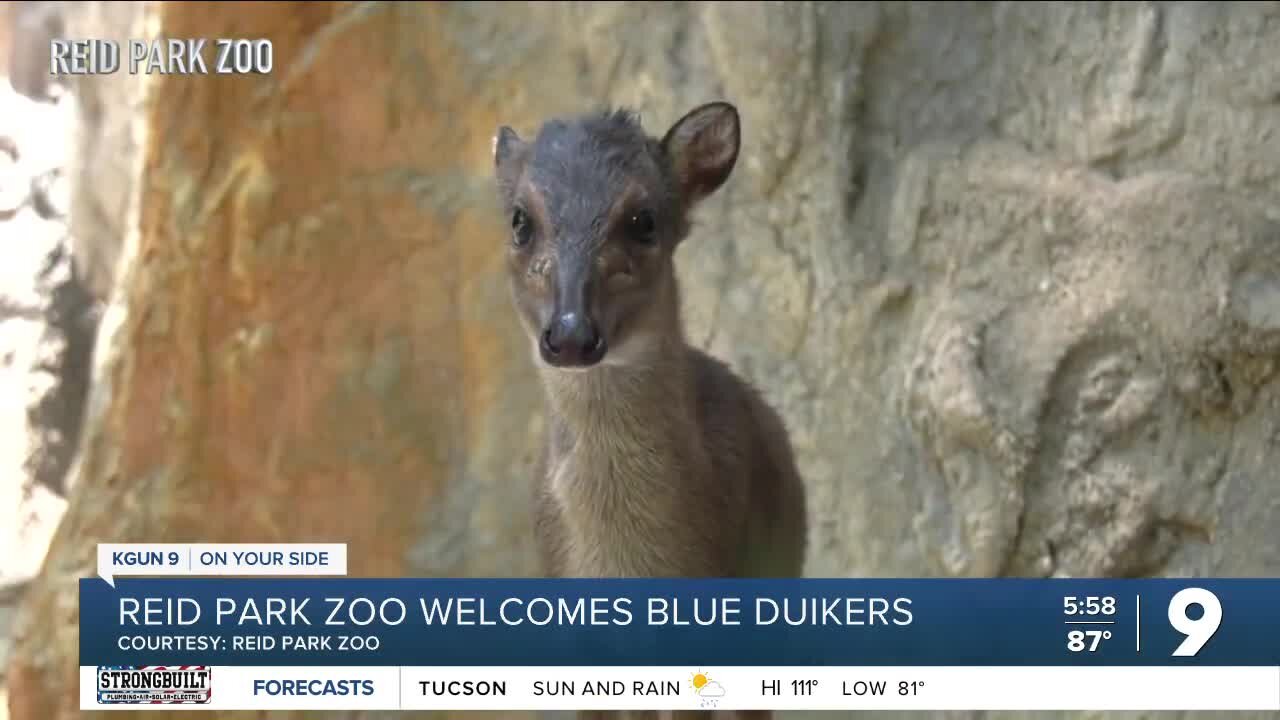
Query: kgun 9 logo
[1198,630]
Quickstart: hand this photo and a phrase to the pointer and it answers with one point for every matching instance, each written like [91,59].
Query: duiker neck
[650,390]
[610,395]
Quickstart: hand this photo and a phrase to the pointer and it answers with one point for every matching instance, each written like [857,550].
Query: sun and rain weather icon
[708,691]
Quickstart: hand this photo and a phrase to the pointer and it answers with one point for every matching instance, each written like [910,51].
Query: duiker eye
[521,230]
[640,225]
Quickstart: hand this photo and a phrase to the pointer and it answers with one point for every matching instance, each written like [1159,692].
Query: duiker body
[659,461]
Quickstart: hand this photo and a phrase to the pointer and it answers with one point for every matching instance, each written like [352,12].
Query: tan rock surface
[273,401]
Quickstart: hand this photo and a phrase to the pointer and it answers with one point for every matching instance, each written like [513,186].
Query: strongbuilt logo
[154,684]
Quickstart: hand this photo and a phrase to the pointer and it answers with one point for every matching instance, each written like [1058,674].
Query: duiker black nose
[572,340]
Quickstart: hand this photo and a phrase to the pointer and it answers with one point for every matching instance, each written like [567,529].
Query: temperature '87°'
[1089,640]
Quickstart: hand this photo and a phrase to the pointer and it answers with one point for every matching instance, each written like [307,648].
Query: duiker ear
[703,147]
[506,144]
[507,148]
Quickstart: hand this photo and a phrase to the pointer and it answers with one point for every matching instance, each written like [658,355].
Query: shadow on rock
[66,353]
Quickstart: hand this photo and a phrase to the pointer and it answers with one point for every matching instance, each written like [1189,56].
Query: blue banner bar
[472,622]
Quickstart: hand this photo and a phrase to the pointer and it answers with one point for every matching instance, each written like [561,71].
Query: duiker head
[596,208]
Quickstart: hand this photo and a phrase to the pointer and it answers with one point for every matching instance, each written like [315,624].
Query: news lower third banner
[278,642]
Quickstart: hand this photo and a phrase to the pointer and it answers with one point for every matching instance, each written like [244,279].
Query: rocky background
[48,314]
[1010,271]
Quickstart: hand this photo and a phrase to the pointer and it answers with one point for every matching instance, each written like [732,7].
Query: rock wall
[103,148]
[1010,271]
[48,318]
[104,151]
[29,26]
[59,240]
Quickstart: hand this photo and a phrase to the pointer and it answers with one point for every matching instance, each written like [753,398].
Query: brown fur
[660,461]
